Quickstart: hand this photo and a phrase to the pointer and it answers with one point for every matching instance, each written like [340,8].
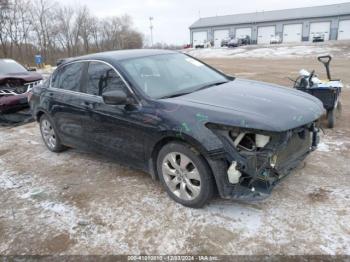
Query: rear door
[67,104]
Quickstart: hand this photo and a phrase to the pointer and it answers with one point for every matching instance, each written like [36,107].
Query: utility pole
[151,28]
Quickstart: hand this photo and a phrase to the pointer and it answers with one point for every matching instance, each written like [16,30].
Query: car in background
[244,40]
[234,42]
[205,44]
[276,40]
[319,37]
[15,84]
[224,42]
[185,123]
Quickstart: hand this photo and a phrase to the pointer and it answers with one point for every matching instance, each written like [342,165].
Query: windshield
[168,75]
[8,66]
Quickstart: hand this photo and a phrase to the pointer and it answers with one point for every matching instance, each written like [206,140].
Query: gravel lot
[78,203]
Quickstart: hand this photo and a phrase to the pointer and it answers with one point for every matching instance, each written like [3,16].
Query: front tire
[49,135]
[185,175]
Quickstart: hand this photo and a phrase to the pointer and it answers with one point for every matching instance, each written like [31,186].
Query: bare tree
[64,28]
[29,27]
[4,9]
[41,16]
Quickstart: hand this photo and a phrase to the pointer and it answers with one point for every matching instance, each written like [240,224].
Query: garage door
[219,35]
[344,30]
[199,37]
[265,34]
[292,33]
[243,32]
[319,29]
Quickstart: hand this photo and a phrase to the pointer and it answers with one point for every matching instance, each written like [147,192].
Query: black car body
[246,134]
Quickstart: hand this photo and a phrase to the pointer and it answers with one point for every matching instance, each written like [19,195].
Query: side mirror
[115,97]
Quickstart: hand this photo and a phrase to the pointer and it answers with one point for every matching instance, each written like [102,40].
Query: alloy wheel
[181,176]
[48,134]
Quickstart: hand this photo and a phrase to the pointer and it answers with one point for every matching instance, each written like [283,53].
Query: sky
[172,18]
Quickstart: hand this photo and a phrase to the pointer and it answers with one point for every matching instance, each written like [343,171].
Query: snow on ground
[74,203]
[328,145]
[270,51]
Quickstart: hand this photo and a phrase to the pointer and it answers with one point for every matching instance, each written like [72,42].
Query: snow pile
[328,145]
[280,51]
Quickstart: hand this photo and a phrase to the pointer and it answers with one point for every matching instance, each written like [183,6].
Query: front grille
[297,146]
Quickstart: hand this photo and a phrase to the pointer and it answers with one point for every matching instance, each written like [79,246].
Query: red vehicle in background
[15,84]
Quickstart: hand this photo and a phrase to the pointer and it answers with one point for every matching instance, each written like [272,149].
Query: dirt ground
[77,203]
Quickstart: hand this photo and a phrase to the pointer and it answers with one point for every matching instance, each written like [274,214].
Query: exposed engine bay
[258,160]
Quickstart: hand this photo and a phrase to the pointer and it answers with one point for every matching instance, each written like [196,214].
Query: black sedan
[192,127]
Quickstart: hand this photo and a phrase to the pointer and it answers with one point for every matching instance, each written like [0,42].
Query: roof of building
[276,15]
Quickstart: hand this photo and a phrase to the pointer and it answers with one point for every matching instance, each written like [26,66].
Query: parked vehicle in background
[187,124]
[244,40]
[224,42]
[234,42]
[205,44]
[15,83]
[319,37]
[276,40]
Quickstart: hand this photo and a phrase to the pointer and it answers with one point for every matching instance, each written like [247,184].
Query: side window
[70,76]
[102,78]
[54,78]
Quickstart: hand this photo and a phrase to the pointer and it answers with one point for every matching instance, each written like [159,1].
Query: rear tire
[185,175]
[331,118]
[49,135]
[339,109]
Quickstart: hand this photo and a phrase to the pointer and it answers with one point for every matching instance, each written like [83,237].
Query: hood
[25,76]
[253,104]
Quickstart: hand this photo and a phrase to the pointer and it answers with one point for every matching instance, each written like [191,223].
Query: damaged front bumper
[14,97]
[250,172]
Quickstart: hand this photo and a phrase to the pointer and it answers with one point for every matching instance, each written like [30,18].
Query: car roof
[115,56]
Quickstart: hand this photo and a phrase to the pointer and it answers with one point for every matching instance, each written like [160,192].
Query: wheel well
[159,145]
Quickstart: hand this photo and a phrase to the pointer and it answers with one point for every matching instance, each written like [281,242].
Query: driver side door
[114,130]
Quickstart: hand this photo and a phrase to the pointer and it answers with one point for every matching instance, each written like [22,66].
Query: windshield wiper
[201,88]
[212,84]
[176,95]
